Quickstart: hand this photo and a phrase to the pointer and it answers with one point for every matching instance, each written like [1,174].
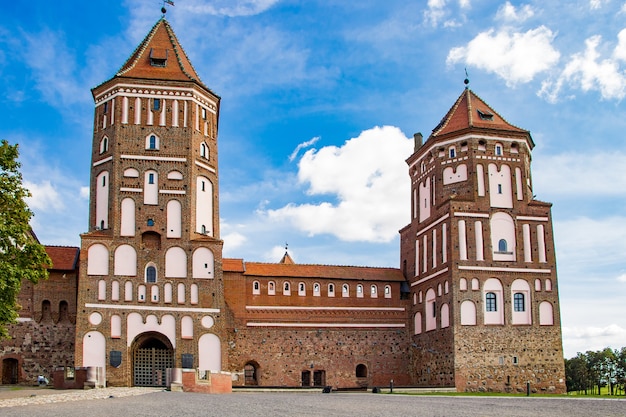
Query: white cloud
[54,68]
[622,277]
[276,254]
[227,7]
[587,71]
[583,339]
[368,180]
[509,13]
[569,173]
[44,196]
[597,4]
[620,49]
[233,241]
[514,56]
[84,192]
[302,145]
[435,12]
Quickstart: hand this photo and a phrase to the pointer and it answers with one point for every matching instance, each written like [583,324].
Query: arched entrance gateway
[9,371]
[152,355]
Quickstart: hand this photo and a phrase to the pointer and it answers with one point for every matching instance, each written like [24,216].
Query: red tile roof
[470,111]
[312,271]
[232,265]
[160,43]
[64,258]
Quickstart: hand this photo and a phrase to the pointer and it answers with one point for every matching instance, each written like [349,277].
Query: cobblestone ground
[126,402]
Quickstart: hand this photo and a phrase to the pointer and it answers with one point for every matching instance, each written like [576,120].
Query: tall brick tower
[479,255]
[150,290]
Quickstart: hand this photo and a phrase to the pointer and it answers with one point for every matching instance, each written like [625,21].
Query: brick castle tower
[150,288]
[479,257]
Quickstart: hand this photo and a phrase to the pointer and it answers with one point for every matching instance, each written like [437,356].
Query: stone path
[17,396]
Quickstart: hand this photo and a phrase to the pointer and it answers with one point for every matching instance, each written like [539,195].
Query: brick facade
[474,304]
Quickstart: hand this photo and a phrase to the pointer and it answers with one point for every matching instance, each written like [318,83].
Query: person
[42,380]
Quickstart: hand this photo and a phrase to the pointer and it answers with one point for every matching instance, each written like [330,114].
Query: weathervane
[466,80]
[163,9]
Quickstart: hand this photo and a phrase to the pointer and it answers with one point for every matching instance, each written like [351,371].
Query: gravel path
[162,403]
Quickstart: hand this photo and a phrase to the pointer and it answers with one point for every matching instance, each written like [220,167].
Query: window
[152,142]
[204,150]
[256,288]
[106,107]
[150,222]
[499,188]
[359,290]
[151,274]
[150,178]
[452,152]
[361,371]
[301,289]
[515,360]
[156,104]
[345,290]
[203,113]
[502,246]
[518,302]
[387,291]
[316,289]
[485,115]
[104,145]
[104,180]
[373,291]
[202,185]
[286,288]
[490,302]
[271,288]
[331,290]
[498,149]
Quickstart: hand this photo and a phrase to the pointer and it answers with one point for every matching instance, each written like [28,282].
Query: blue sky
[320,100]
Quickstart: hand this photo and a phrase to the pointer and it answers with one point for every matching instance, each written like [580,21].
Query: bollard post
[528,389]
[391,386]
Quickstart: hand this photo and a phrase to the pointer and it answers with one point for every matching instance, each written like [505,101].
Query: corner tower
[479,256]
[150,289]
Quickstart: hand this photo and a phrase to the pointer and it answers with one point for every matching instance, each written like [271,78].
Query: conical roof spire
[160,56]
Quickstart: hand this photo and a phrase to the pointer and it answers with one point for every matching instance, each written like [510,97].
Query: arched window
[316,289]
[359,290]
[361,371]
[374,291]
[152,142]
[387,291]
[468,313]
[256,288]
[151,274]
[204,150]
[498,149]
[518,302]
[286,288]
[430,310]
[452,152]
[301,289]
[490,302]
[502,245]
[331,290]
[417,323]
[546,314]
[104,145]
[271,288]
[463,284]
[345,290]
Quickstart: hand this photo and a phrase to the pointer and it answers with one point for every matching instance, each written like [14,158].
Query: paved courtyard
[126,402]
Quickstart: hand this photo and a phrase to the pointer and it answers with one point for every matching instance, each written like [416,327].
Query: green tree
[21,256]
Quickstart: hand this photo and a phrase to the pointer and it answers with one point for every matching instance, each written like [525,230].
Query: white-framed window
[452,152]
[331,290]
[152,142]
[271,288]
[387,291]
[256,288]
[151,273]
[359,290]
[104,145]
[345,290]
[373,291]
[316,289]
[499,149]
[301,289]
[204,150]
[286,288]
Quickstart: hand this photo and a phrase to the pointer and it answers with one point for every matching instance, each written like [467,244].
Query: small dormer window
[485,115]
[158,57]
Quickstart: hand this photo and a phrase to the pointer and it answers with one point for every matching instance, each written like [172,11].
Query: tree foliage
[589,372]
[21,256]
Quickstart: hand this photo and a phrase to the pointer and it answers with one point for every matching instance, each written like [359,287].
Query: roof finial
[286,246]
[466,80]
[163,9]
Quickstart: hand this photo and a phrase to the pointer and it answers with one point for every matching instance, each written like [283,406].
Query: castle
[474,304]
